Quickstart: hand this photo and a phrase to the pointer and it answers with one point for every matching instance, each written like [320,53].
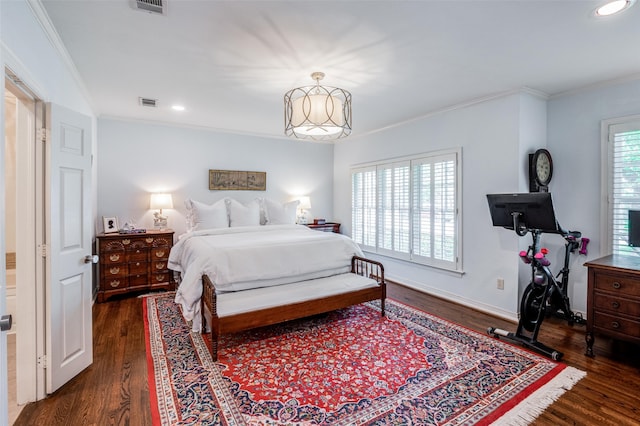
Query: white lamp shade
[305,203]
[161,201]
[317,114]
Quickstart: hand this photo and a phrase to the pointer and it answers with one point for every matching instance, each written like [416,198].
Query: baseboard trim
[491,310]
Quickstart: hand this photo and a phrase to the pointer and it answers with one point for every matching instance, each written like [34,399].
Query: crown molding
[41,15]
[598,85]
[461,105]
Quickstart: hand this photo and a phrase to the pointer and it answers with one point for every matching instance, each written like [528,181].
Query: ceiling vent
[158,7]
[147,102]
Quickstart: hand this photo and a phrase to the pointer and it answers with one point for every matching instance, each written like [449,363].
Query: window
[408,209]
[623,180]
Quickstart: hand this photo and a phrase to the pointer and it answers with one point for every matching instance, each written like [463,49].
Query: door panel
[69,288]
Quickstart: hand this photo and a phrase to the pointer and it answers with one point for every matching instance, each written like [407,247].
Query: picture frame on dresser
[110,224]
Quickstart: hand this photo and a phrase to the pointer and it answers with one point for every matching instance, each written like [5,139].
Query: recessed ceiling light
[614,7]
[177,107]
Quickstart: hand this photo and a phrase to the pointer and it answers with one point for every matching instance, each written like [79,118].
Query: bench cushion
[238,302]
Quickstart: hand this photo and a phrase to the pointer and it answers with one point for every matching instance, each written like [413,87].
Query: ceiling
[230,62]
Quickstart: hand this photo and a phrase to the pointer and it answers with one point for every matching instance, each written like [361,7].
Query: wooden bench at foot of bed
[243,310]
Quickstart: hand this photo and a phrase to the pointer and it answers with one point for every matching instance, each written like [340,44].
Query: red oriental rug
[348,367]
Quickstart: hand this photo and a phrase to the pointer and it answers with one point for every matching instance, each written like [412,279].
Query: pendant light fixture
[320,113]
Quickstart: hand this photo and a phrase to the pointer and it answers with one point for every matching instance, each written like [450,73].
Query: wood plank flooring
[114,390]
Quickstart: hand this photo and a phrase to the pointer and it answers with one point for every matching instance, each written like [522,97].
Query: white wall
[574,141]
[490,134]
[30,53]
[136,159]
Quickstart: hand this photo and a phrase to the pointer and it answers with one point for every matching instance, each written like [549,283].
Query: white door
[68,233]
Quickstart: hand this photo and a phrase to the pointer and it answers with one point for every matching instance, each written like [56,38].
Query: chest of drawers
[133,262]
[613,299]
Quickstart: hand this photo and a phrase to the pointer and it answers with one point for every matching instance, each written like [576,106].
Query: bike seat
[574,234]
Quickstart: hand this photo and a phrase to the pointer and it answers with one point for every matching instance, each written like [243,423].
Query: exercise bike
[545,294]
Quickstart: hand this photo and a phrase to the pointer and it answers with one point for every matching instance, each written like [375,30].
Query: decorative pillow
[243,215]
[205,216]
[280,214]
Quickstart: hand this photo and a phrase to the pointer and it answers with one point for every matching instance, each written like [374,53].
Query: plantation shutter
[408,208]
[394,187]
[363,207]
[624,181]
[435,210]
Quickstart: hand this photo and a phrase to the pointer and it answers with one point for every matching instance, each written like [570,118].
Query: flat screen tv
[634,228]
[531,210]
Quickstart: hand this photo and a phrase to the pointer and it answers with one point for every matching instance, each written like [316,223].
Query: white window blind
[394,209]
[363,207]
[435,210]
[408,209]
[624,182]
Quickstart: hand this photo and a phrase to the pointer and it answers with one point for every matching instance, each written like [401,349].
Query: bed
[238,278]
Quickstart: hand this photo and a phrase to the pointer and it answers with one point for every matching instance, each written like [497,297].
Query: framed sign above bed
[225,180]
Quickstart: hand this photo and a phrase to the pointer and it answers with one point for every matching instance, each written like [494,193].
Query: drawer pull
[615,324]
[615,305]
[114,257]
[617,285]
[160,253]
[160,265]
[159,278]
[126,241]
[115,283]
[149,240]
[114,271]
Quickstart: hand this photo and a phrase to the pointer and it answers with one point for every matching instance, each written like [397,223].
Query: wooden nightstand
[326,227]
[133,262]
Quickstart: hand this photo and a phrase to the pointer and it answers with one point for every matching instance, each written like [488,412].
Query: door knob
[91,258]
[5,322]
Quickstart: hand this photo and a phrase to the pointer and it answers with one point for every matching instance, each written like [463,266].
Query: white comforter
[255,256]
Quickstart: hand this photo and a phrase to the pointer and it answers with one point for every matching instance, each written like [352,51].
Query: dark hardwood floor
[114,390]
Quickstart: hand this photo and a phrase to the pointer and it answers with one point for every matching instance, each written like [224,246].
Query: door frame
[30,295]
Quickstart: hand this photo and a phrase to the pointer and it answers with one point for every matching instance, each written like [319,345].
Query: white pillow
[280,214]
[243,215]
[205,216]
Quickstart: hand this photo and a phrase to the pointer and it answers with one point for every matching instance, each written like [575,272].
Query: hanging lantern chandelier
[320,113]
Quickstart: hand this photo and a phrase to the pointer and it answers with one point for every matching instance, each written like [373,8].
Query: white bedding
[250,257]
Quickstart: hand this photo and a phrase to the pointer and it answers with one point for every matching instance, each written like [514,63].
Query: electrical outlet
[500,285]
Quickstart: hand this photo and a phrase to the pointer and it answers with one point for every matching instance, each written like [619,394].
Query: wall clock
[540,170]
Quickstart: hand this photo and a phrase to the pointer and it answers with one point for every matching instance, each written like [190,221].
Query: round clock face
[543,166]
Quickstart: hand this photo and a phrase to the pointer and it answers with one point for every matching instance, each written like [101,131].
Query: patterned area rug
[349,367]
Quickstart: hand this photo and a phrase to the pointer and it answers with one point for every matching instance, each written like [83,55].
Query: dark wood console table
[613,299]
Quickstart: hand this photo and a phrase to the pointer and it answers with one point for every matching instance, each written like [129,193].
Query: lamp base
[160,223]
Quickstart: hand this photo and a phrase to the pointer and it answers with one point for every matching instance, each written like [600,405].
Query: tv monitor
[532,210]
[634,228]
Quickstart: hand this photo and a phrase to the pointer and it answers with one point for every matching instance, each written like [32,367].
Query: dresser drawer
[139,280]
[623,285]
[616,324]
[607,302]
[114,283]
[159,266]
[111,257]
[164,277]
[159,253]
[136,268]
[115,271]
